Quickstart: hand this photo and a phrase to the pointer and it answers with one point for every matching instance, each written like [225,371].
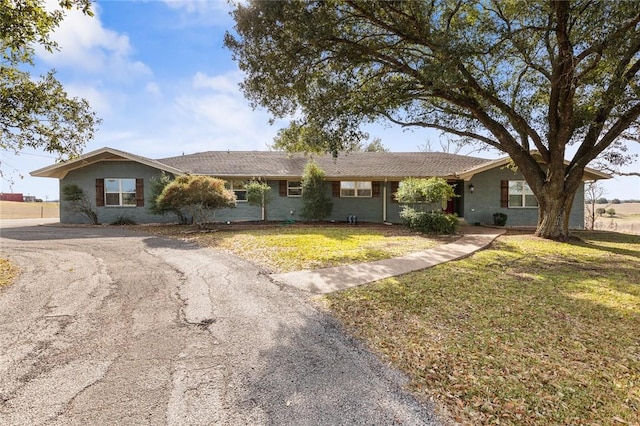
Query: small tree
[315,203]
[600,211]
[79,202]
[611,212]
[259,194]
[424,193]
[199,196]
[593,192]
[157,186]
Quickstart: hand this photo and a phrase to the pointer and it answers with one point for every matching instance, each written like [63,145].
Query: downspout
[384,201]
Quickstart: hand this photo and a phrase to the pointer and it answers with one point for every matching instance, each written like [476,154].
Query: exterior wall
[85,178]
[279,209]
[480,206]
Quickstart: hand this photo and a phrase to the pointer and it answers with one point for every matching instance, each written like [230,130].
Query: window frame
[132,199]
[297,188]
[230,185]
[526,192]
[357,187]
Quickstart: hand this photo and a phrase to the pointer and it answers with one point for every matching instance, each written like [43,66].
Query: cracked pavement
[108,326]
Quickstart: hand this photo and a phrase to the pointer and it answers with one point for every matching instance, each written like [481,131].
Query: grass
[7,273]
[529,332]
[297,247]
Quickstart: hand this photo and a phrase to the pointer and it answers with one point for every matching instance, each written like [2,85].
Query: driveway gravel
[108,326]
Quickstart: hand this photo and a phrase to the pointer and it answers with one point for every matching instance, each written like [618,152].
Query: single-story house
[363,184]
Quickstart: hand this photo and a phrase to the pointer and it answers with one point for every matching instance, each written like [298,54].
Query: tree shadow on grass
[591,240]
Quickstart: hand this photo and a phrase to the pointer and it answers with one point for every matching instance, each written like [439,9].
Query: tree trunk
[553,215]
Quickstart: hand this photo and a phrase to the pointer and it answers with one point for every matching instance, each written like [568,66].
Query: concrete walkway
[328,280]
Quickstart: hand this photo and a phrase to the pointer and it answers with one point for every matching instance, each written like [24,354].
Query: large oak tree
[37,112]
[530,79]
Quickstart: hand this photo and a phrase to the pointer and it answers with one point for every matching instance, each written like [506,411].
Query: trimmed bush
[429,222]
[123,220]
[499,219]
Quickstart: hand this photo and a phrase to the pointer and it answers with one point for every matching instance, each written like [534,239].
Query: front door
[454,205]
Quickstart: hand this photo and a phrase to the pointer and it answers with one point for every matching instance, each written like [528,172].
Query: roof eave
[61,170]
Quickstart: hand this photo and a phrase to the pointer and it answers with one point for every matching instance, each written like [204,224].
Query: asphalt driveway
[108,326]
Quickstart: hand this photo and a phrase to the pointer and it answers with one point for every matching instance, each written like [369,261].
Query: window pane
[294,189]
[112,199]
[364,185]
[347,192]
[515,200]
[530,201]
[112,185]
[364,193]
[347,185]
[241,195]
[129,199]
[128,185]
[515,187]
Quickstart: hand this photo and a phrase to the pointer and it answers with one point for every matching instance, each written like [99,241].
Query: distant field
[626,219]
[15,210]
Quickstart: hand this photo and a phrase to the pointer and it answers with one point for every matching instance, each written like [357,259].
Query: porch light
[471,188]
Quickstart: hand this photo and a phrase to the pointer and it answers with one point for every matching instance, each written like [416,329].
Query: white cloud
[87,46]
[101,101]
[153,89]
[222,83]
[202,7]
[201,12]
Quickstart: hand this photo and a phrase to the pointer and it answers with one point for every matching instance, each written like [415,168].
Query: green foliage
[77,201]
[500,219]
[611,212]
[615,201]
[123,220]
[375,145]
[259,194]
[157,186]
[525,78]
[38,113]
[429,222]
[600,211]
[425,194]
[315,203]
[602,201]
[197,196]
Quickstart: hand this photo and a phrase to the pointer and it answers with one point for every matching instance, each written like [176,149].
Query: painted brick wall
[480,206]
[85,178]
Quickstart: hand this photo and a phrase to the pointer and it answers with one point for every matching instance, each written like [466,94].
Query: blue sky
[158,75]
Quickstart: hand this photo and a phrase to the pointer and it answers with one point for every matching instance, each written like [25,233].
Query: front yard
[293,247]
[527,332]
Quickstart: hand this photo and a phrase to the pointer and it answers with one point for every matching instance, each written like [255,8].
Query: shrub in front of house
[77,201]
[499,219]
[429,222]
[123,220]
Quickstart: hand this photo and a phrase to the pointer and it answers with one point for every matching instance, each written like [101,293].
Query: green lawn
[527,332]
[282,248]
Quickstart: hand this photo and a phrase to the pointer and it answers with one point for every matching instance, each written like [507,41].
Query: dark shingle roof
[274,164]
